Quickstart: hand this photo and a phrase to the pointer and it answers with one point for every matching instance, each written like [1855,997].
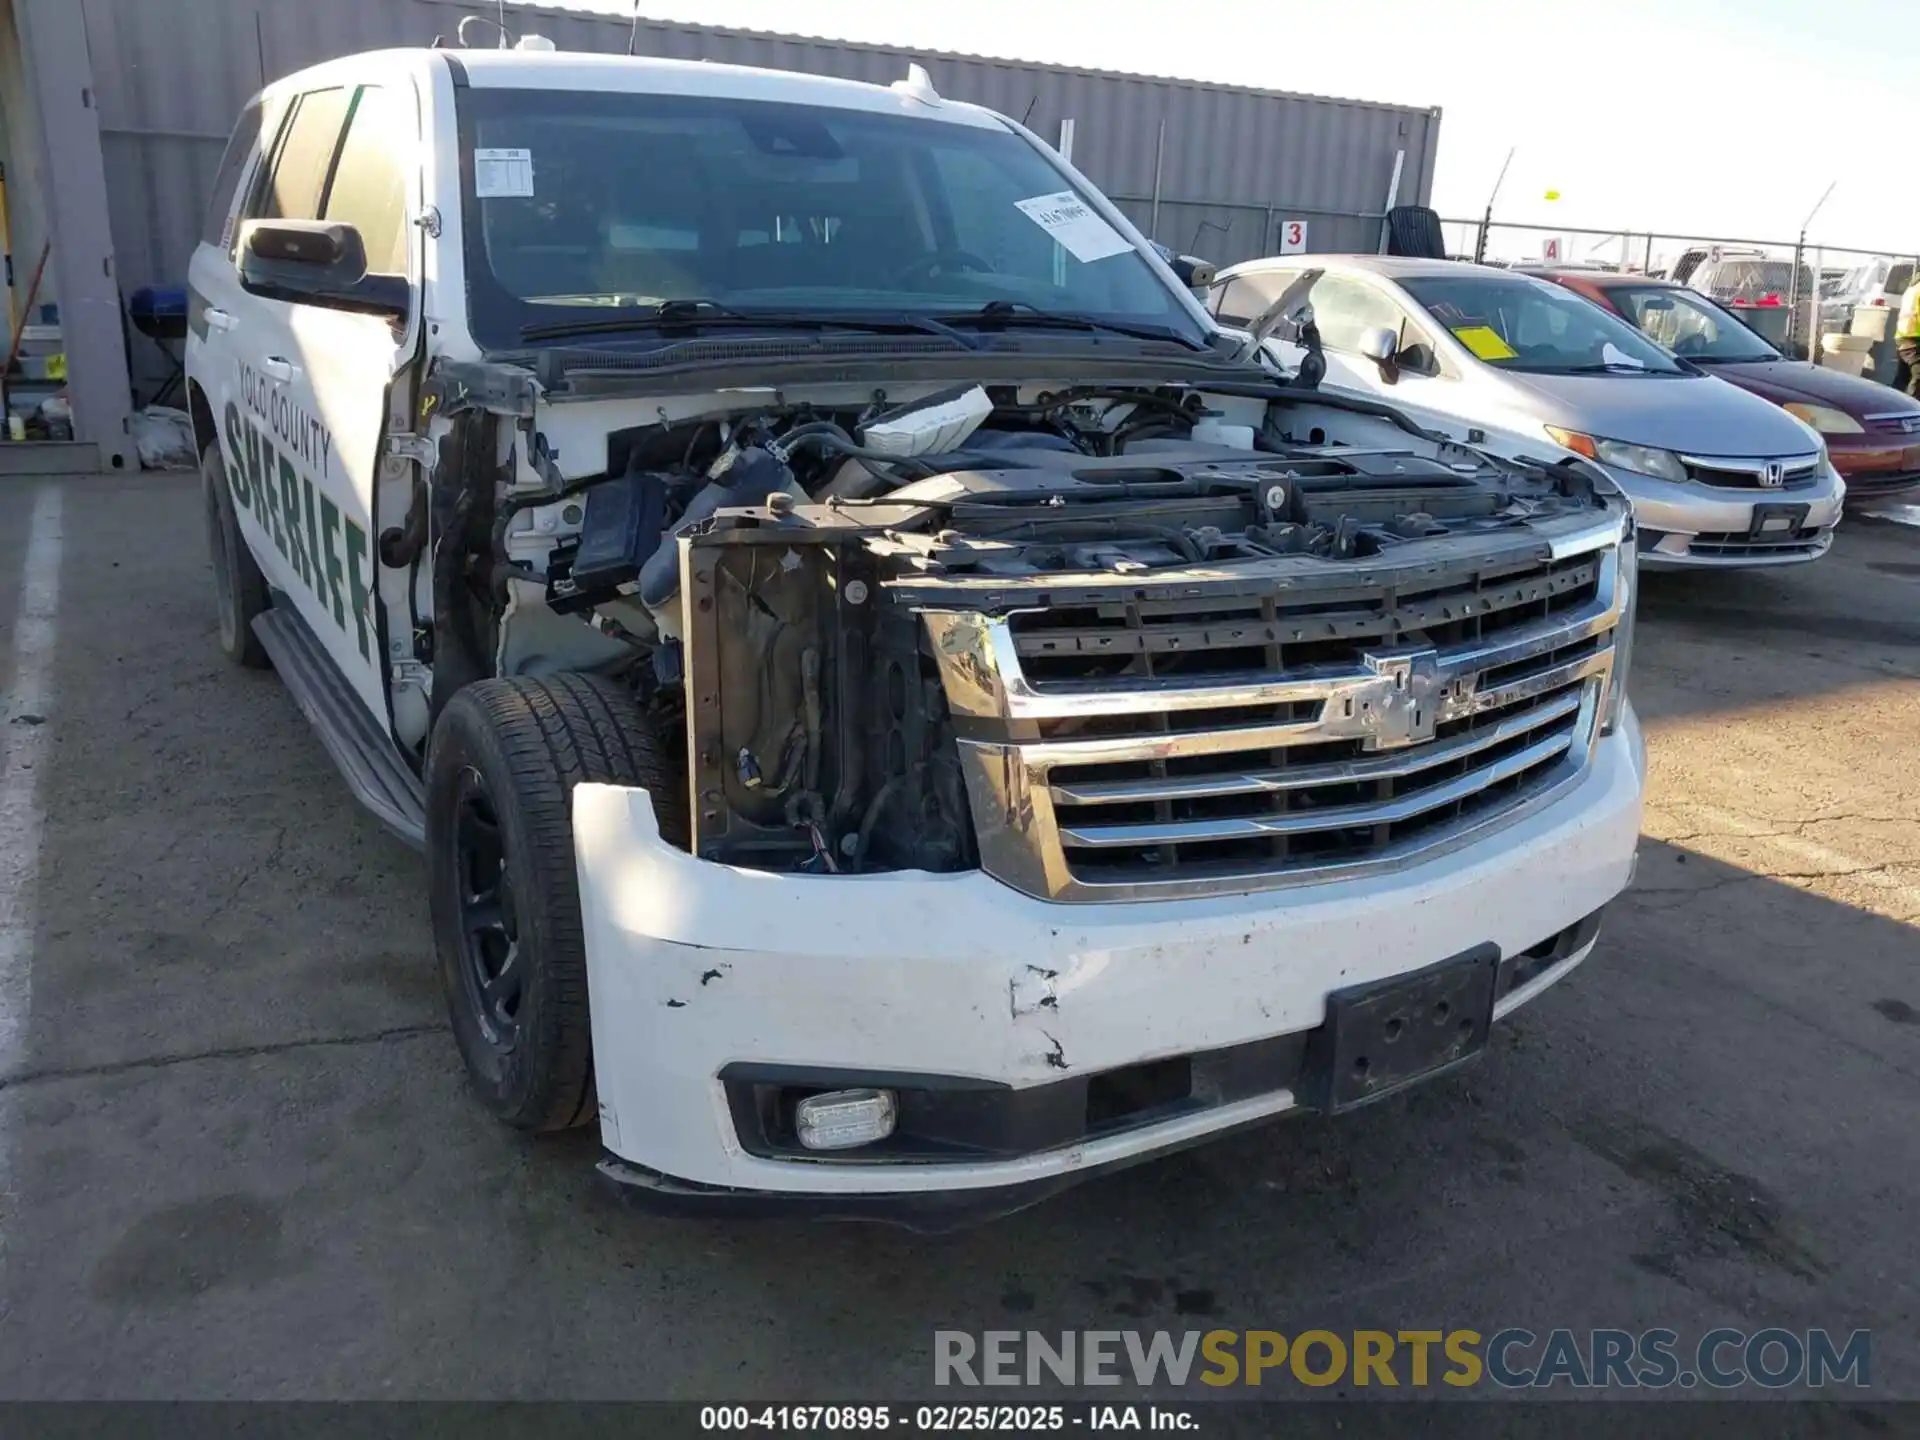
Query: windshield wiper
[1004,314]
[695,315]
[1609,367]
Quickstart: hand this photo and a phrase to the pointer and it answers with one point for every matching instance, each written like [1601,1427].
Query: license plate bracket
[1382,1037]
[1777,519]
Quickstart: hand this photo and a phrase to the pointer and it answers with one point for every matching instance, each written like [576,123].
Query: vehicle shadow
[1703,1126]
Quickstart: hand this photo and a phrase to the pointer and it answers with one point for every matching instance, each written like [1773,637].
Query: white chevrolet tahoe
[902,713]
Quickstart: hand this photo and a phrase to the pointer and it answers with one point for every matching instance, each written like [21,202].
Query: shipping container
[1212,169]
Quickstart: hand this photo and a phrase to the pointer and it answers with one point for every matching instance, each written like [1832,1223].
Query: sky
[1715,117]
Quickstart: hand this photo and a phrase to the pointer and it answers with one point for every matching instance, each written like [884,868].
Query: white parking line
[24,725]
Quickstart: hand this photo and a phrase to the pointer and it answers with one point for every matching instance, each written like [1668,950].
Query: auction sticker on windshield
[1068,219]
[1485,342]
[503,174]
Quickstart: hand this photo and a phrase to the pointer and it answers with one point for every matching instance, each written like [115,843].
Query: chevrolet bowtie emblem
[1405,709]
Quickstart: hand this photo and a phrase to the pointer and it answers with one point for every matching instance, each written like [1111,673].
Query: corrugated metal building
[1233,163]
[1212,169]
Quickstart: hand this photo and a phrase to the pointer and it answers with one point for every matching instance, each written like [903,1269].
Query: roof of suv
[654,75]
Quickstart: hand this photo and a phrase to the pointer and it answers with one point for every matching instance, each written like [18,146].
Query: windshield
[581,204]
[1514,322]
[1753,282]
[1689,324]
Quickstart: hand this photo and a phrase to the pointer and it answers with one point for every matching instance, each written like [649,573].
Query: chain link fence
[1225,234]
[1793,292]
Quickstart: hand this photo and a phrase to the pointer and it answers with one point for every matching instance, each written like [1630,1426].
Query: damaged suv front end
[1038,811]
[1092,742]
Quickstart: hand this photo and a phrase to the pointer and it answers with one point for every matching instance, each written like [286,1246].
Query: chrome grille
[1223,746]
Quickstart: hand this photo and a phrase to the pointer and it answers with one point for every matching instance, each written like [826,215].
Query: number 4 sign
[1293,237]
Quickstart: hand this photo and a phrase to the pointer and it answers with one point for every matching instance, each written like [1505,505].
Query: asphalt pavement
[240,1160]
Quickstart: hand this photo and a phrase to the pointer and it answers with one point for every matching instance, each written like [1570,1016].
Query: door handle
[277,368]
[218,319]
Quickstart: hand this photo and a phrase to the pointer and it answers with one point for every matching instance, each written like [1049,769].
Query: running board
[379,778]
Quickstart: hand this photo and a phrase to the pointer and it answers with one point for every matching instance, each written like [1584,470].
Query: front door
[311,383]
[1346,308]
[1343,308]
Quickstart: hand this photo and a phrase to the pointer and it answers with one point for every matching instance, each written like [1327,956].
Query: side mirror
[1382,346]
[318,262]
[1194,273]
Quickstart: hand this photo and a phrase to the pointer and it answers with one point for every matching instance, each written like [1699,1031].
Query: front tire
[505,757]
[239,589]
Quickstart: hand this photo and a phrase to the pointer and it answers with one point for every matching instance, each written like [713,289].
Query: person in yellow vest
[1906,340]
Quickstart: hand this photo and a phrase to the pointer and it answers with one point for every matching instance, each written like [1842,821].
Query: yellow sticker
[1484,342]
[57,367]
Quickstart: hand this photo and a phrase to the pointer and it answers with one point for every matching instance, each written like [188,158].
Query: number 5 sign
[1293,237]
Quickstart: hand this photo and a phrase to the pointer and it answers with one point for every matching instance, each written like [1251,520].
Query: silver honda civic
[1522,367]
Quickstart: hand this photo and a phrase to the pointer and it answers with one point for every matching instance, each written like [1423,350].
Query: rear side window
[240,148]
[369,189]
[1754,279]
[292,190]
[1240,300]
[1346,309]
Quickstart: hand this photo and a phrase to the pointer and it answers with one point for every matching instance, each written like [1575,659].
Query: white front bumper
[693,966]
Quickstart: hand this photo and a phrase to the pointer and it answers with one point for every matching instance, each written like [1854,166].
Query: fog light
[843,1119]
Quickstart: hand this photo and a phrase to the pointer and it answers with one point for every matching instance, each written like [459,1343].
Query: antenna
[1206,225]
[1793,286]
[918,85]
[1486,220]
[460,31]
[1029,115]
[1807,224]
[633,35]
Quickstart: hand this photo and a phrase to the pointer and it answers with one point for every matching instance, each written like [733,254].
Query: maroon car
[1872,432]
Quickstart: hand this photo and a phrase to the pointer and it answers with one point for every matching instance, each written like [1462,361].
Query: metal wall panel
[172,74]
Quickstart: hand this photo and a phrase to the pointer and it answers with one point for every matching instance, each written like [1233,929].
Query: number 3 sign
[1293,237]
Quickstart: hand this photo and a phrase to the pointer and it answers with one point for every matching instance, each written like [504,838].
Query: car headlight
[1825,419]
[1640,459]
[1644,460]
[1615,705]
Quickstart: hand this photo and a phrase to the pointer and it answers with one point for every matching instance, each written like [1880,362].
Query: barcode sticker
[1068,219]
[503,174]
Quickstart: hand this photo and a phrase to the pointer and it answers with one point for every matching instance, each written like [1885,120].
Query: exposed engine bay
[761,573]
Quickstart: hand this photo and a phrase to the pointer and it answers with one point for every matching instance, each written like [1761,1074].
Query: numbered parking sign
[1293,237]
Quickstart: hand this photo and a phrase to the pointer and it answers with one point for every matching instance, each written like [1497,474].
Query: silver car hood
[1692,414]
